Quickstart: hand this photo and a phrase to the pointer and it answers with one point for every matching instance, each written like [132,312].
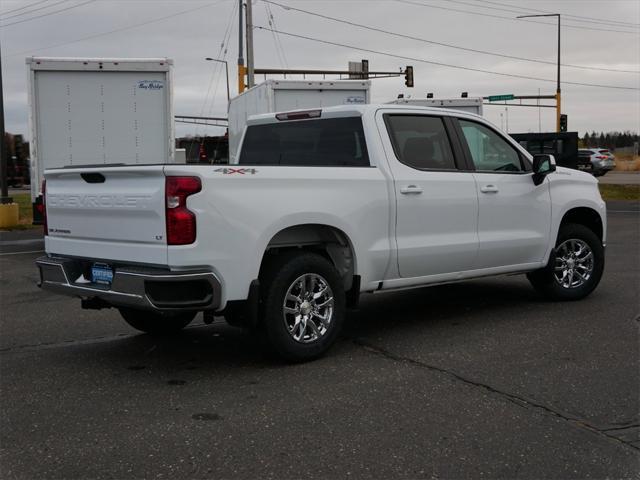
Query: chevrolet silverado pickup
[321,206]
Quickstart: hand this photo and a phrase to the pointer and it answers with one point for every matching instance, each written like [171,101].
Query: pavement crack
[510,397]
[63,343]
[613,429]
[83,341]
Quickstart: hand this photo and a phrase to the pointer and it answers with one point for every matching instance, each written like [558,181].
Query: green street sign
[497,98]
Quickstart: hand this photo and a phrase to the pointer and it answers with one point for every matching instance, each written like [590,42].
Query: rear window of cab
[334,142]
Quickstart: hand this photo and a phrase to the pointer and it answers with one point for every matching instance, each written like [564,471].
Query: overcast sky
[599,35]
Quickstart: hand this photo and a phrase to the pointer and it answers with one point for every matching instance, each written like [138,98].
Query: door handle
[489,189]
[409,189]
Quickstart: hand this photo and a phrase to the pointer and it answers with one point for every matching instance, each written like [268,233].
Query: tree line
[609,140]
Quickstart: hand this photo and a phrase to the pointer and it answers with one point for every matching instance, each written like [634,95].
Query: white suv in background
[602,160]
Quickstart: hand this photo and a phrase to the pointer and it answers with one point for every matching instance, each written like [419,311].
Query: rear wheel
[304,305]
[575,267]
[156,323]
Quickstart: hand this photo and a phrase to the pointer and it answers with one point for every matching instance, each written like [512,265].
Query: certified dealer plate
[101,273]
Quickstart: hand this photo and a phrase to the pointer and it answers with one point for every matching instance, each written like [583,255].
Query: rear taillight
[43,205]
[602,157]
[181,222]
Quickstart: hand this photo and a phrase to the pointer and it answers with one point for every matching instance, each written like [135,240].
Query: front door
[514,214]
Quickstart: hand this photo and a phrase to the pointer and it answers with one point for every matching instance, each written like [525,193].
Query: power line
[459,67]
[48,13]
[593,19]
[273,35]
[276,38]
[223,48]
[90,37]
[433,42]
[49,5]
[409,2]
[570,18]
[23,7]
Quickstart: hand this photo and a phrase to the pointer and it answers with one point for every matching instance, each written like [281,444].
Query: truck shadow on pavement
[422,311]
[443,305]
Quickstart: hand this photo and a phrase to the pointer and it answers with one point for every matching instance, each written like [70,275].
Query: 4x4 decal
[241,171]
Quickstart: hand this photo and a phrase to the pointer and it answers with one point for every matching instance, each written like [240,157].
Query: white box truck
[469,104]
[88,111]
[284,95]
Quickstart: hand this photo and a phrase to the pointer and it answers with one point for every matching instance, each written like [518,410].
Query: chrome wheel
[308,308]
[574,263]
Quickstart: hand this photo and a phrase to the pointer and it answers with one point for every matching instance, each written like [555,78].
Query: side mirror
[543,165]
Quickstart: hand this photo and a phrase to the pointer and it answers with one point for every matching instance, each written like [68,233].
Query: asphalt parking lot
[475,380]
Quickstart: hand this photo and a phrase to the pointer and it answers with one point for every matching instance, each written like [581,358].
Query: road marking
[21,253]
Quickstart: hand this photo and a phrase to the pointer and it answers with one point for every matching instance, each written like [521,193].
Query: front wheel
[575,267]
[304,305]
[156,323]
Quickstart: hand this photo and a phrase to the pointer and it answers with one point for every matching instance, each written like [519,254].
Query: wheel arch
[585,216]
[328,240]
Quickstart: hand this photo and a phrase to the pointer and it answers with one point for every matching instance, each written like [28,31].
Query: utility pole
[558,96]
[4,187]
[539,115]
[250,64]
[558,103]
[506,115]
[241,68]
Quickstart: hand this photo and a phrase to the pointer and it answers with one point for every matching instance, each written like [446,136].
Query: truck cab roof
[342,111]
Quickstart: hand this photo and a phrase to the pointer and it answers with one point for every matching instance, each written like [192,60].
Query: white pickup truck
[323,205]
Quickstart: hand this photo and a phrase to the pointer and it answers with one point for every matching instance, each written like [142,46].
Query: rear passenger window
[325,142]
[420,141]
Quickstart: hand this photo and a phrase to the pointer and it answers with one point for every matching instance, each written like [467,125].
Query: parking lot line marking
[21,253]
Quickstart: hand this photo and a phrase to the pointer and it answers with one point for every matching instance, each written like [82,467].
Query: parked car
[601,160]
[322,206]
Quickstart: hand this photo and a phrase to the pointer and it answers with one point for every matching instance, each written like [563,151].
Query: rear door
[437,202]
[107,213]
[514,217]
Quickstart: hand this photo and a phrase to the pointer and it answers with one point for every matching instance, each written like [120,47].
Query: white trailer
[87,111]
[283,95]
[470,104]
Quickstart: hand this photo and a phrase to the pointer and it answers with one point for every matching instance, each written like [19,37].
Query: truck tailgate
[107,213]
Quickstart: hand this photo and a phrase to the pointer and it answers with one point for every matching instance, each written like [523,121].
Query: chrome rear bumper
[132,286]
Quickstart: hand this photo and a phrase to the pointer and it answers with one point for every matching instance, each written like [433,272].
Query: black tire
[156,323]
[544,280]
[278,276]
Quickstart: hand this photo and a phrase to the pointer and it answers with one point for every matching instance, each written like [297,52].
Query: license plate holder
[101,273]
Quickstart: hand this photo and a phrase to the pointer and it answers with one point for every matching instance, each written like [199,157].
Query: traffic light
[202,153]
[408,76]
[563,122]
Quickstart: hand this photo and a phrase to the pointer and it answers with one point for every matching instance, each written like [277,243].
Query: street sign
[497,98]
